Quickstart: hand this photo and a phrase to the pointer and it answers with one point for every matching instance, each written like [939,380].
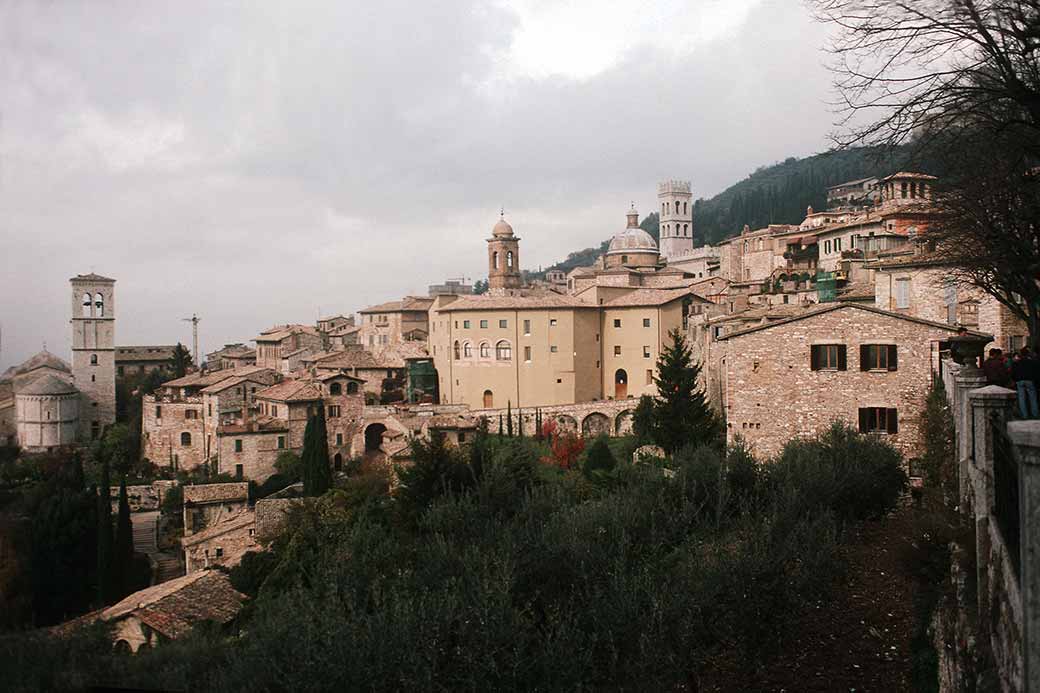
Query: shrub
[599,459]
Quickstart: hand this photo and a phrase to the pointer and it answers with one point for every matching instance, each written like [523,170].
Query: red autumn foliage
[566,449]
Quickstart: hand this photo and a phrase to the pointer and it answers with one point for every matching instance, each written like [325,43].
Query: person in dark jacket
[996,370]
[1024,371]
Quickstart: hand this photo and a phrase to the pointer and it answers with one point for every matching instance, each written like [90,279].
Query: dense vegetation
[492,569]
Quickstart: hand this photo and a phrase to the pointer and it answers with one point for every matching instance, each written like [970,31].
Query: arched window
[676,206]
[93,359]
[745,246]
[99,303]
[352,388]
[88,303]
[685,229]
[335,389]
[485,350]
[467,350]
[489,399]
[494,259]
[664,209]
[455,351]
[337,462]
[684,208]
[504,351]
[185,439]
[509,260]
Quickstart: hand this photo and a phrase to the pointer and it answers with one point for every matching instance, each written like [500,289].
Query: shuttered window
[878,420]
[878,357]
[828,357]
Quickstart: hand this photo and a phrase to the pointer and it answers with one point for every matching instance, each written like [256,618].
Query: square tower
[93,352]
[676,224]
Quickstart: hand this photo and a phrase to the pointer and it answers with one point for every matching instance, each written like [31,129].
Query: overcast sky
[259,162]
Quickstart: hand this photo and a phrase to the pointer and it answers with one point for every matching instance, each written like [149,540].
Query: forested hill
[776,194]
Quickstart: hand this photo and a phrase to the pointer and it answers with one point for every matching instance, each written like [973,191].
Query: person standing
[995,369]
[1024,371]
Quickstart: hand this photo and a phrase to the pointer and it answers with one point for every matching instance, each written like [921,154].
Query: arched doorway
[374,437]
[623,423]
[620,384]
[489,399]
[337,462]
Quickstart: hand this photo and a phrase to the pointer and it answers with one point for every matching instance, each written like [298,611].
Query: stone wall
[143,498]
[271,515]
[164,420]
[613,417]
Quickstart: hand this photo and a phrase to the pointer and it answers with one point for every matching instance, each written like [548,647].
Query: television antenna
[194,320]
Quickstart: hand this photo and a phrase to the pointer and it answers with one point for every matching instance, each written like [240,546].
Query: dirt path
[857,640]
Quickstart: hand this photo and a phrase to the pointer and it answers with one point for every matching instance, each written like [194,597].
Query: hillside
[775,194]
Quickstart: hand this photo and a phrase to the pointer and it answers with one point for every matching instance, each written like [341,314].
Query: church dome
[47,385]
[633,239]
[502,229]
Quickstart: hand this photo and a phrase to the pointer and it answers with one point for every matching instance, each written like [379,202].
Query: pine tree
[180,361]
[104,537]
[123,548]
[509,419]
[681,413]
[643,421]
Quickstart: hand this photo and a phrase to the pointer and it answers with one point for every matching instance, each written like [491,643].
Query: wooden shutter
[893,423]
[892,364]
[814,357]
[864,357]
[843,364]
[863,420]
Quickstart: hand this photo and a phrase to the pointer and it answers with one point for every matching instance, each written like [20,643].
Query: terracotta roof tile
[211,493]
[291,391]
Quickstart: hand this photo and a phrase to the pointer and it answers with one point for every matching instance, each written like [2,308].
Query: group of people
[1021,372]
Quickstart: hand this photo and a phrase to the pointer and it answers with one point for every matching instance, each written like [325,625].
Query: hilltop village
[843,316]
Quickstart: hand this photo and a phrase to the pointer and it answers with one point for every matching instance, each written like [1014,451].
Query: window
[281,442]
[617,322]
[334,411]
[903,292]
[552,322]
[87,304]
[185,439]
[504,351]
[238,471]
[527,327]
[646,352]
[483,324]
[339,439]
[336,389]
[158,412]
[220,551]
[878,420]
[494,260]
[489,399]
[93,379]
[553,349]
[99,303]
[509,259]
[649,376]
[457,351]
[467,350]
[617,350]
[485,350]
[209,409]
[462,436]
[119,370]
[93,359]
[503,324]
[238,445]
[877,357]
[465,324]
[828,357]
[646,322]
[274,410]
[527,353]
[191,414]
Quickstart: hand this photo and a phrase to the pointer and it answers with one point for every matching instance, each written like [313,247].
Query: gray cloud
[256,162]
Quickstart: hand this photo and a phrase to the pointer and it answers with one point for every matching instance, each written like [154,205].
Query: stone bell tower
[504,276]
[676,224]
[93,352]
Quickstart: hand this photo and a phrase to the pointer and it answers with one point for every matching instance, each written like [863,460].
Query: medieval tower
[676,225]
[93,352]
[504,276]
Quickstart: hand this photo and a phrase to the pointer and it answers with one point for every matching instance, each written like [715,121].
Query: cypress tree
[317,478]
[509,419]
[520,421]
[123,548]
[681,413]
[104,537]
[500,429]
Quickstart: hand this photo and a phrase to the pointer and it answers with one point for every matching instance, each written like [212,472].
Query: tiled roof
[542,301]
[47,385]
[291,391]
[408,303]
[173,608]
[200,379]
[43,359]
[92,278]
[280,332]
[344,330]
[910,174]
[210,493]
[258,424]
[232,382]
[647,297]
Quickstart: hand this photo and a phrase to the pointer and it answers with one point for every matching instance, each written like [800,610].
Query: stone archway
[595,424]
[623,423]
[567,423]
[374,437]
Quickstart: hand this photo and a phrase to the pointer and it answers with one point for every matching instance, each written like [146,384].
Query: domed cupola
[632,247]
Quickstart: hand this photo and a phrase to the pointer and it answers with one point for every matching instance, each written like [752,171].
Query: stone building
[47,414]
[504,276]
[207,505]
[395,322]
[275,344]
[230,356]
[676,220]
[859,192]
[222,544]
[138,360]
[791,378]
[93,351]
